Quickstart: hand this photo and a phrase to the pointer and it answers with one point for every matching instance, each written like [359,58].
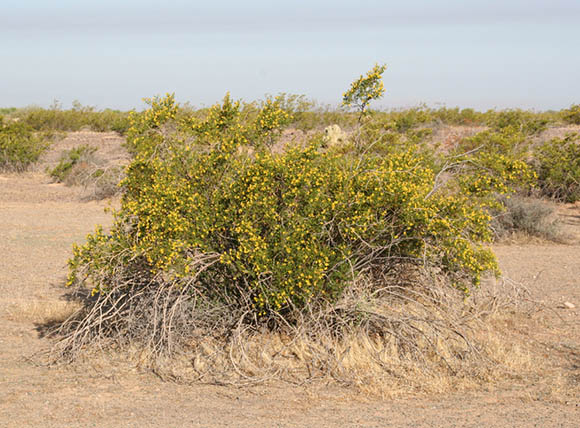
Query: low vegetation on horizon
[306,115]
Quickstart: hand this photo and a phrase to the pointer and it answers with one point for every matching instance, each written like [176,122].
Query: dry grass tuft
[413,334]
[42,311]
[526,218]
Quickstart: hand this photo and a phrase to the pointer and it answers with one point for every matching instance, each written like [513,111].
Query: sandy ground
[38,223]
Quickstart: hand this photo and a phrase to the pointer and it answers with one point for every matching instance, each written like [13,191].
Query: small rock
[568,305]
[333,135]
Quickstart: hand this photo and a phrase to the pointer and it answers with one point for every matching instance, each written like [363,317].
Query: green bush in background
[572,115]
[20,147]
[557,164]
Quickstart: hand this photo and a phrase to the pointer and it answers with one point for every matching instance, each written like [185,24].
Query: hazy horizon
[482,55]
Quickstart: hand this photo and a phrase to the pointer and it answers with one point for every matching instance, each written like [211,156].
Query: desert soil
[40,220]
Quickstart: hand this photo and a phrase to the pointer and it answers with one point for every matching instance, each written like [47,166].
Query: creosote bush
[496,162]
[572,115]
[20,147]
[220,238]
[58,119]
[523,121]
[365,89]
[557,164]
[269,234]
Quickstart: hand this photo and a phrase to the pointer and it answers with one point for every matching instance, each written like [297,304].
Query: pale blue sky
[481,54]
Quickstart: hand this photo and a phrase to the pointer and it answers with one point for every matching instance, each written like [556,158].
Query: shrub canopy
[276,231]
[557,163]
[19,146]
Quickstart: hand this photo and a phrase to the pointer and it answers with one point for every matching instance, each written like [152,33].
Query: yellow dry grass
[41,311]
[478,348]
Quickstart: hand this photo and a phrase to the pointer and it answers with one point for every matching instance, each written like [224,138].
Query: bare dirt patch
[40,220]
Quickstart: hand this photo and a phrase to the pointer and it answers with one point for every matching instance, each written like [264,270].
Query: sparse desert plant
[81,166]
[79,157]
[104,181]
[20,147]
[527,216]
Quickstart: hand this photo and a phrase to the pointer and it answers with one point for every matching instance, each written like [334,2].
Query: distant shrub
[81,166]
[107,120]
[527,122]
[523,121]
[529,216]
[120,124]
[572,115]
[405,120]
[7,110]
[557,164]
[20,147]
[456,116]
[321,117]
[75,119]
[69,160]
